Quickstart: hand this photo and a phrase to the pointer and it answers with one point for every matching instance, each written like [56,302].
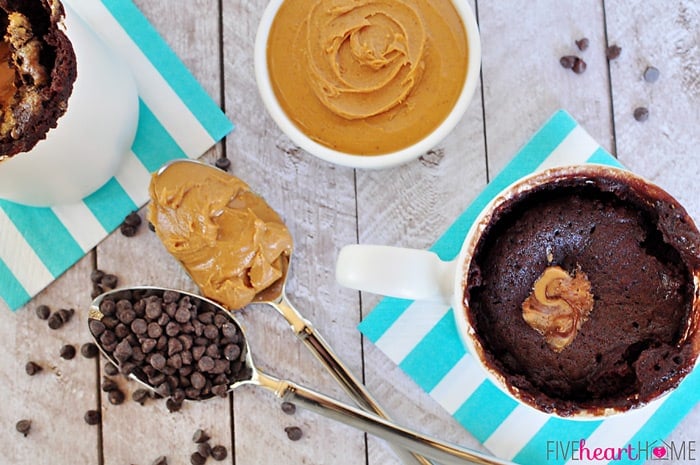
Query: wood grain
[327,207]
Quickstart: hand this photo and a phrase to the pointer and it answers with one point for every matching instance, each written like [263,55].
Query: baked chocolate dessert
[581,294]
[37,71]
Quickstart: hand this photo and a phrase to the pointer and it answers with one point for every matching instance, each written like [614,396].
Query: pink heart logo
[659,452]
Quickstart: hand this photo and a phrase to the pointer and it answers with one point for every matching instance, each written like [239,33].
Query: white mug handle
[396,272]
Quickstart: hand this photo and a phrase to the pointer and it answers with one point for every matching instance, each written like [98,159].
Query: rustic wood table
[326,207]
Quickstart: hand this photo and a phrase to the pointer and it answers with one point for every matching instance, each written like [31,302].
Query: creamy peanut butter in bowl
[366,83]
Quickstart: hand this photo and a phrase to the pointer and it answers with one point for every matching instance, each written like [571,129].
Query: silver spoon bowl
[276,297]
[245,372]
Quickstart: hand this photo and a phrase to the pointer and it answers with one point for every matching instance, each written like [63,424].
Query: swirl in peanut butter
[558,305]
[364,58]
[229,240]
[367,76]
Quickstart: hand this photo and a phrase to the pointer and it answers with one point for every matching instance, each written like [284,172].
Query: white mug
[92,137]
[422,275]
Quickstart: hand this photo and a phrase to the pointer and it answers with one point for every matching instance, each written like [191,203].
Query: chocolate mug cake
[37,71]
[581,292]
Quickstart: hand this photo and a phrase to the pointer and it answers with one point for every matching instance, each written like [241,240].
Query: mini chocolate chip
[123,351]
[108,384]
[32,368]
[92,417]
[582,44]
[89,350]
[139,326]
[219,452]
[641,114]
[109,280]
[43,312]
[579,66]
[96,276]
[111,369]
[613,52]
[67,352]
[55,321]
[158,361]
[66,314]
[162,460]
[294,433]
[204,449]
[651,74]
[133,219]
[232,352]
[567,61]
[200,436]
[127,230]
[140,395]
[206,363]
[153,310]
[223,163]
[289,408]
[116,397]
[173,405]
[23,426]
[197,459]
[220,390]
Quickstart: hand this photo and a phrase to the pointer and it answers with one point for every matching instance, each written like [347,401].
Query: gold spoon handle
[342,374]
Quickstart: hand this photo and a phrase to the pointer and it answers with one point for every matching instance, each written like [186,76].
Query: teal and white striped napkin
[177,119]
[422,339]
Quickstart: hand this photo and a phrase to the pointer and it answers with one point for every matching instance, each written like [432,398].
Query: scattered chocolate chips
[109,281]
[55,321]
[223,163]
[204,449]
[173,405]
[92,417]
[89,350]
[116,397]
[67,352]
[23,426]
[579,66]
[32,368]
[582,44]
[96,276]
[289,408]
[179,344]
[162,460]
[219,452]
[108,384]
[641,114]
[65,314]
[197,459]
[102,281]
[294,433]
[43,312]
[110,368]
[613,52]
[140,395]
[130,226]
[651,74]
[568,61]
[200,436]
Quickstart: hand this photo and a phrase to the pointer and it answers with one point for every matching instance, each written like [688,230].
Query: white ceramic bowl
[366,161]
[88,145]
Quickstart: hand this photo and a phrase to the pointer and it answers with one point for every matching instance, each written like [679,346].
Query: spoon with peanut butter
[237,250]
[163,339]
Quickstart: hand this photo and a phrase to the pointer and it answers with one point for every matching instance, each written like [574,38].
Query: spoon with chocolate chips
[185,346]
[237,250]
